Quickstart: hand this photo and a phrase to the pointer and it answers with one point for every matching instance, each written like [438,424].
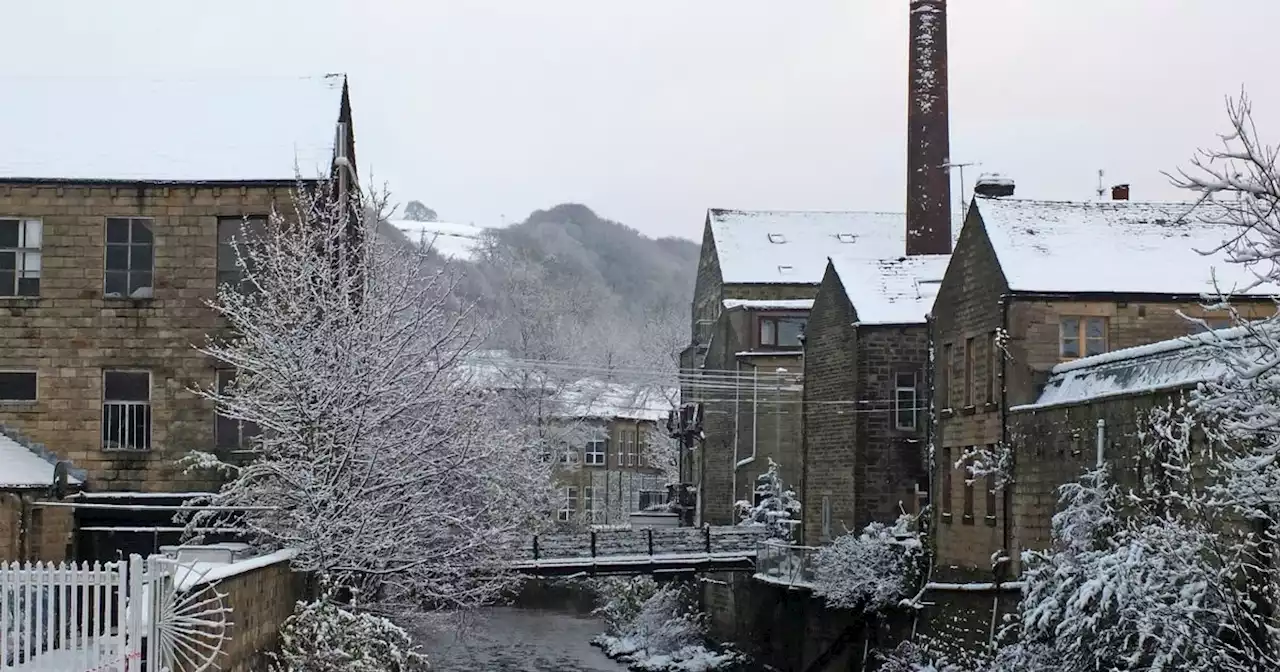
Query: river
[506,639]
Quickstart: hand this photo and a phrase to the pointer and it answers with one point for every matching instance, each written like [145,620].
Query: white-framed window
[126,410]
[229,433]
[592,508]
[905,400]
[568,502]
[17,386]
[240,230]
[630,438]
[20,243]
[130,258]
[596,452]
[569,455]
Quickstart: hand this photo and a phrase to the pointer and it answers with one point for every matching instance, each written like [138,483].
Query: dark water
[506,639]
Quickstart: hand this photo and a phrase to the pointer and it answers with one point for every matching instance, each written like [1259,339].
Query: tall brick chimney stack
[928,134]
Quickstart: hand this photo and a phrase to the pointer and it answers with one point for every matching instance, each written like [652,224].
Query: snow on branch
[872,571]
[775,507]
[384,465]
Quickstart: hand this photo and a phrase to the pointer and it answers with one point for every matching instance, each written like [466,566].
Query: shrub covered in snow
[871,571]
[654,626]
[776,508]
[322,636]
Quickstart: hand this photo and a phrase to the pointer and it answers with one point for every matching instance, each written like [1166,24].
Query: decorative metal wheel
[193,622]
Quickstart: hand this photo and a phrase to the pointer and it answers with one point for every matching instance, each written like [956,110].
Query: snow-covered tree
[378,461]
[776,507]
[872,571]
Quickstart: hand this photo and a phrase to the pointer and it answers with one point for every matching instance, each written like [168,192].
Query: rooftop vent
[777,238]
[1120,192]
[846,237]
[785,269]
[993,185]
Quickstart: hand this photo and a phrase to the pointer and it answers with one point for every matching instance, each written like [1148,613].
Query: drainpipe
[1007,523]
[737,422]
[1102,439]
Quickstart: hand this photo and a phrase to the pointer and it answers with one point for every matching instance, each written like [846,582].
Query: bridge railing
[783,563]
[726,540]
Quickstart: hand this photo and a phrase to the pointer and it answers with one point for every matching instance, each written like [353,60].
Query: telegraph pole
[685,425]
[960,167]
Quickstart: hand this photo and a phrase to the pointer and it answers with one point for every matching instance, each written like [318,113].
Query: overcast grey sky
[651,111]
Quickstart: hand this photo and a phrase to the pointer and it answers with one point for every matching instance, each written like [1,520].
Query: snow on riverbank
[691,658]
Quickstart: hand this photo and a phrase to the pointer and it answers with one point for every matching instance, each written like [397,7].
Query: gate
[107,617]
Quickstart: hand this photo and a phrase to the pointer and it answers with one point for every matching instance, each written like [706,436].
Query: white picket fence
[82,617]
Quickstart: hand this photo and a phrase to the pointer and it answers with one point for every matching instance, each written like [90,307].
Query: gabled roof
[177,129]
[792,246]
[1111,246]
[1164,365]
[454,241]
[22,466]
[900,290]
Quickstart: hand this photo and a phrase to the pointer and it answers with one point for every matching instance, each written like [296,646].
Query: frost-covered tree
[378,461]
[872,571]
[418,212]
[775,507]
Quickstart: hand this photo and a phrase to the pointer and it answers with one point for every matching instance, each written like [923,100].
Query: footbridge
[660,550]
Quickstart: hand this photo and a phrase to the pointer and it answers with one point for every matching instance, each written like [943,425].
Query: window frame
[993,360]
[945,372]
[969,361]
[589,455]
[968,503]
[129,270]
[146,406]
[568,503]
[898,390]
[826,517]
[23,252]
[241,445]
[224,276]
[776,318]
[590,512]
[1081,336]
[35,386]
[990,486]
[945,506]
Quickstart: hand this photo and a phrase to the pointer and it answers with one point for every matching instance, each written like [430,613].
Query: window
[991,498]
[1082,336]
[651,498]
[622,447]
[993,367]
[968,492]
[569,502]
[569,455]
[130,258]
[20,241]
[642,448]
[17,386]
[230,433]
[946,468]
[592,512]
[969,355]
[944,375]
[826,517]
[780,332]
[239,230]
[596,452]
[904,401]
[126,410]
[629,436]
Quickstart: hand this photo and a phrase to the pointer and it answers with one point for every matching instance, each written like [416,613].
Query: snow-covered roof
[769,304]
[792,246]
[455,241]
[1110,246]
[24,467]
[590,398]
[176,129]
[1164,365]
[900,290]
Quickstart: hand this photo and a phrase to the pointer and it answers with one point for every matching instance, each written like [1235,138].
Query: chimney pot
[1120,192]
[993,185]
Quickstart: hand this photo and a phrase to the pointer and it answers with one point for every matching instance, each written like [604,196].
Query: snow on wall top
[22,467]
[1163,365]
[769,304]
[900,290]
[454,241]
[792,246]
[1111,246]
[179,129]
